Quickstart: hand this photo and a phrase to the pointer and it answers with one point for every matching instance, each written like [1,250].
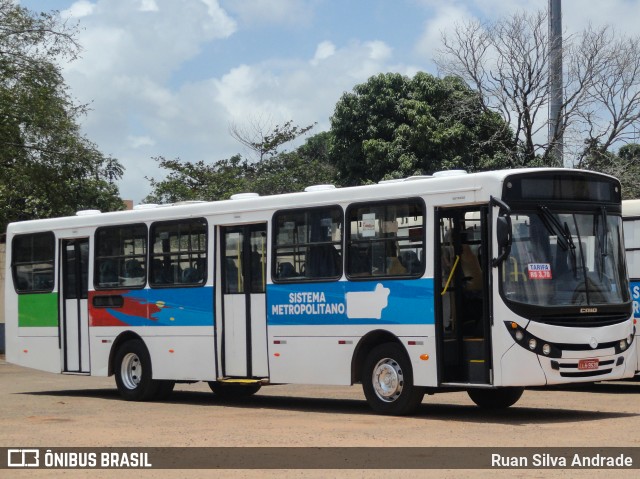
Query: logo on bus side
[635,295]
[367,304]
[347,303]
[357,305]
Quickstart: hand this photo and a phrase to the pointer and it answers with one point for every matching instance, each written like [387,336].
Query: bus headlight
[546,349]
[623,344]
[519,335]
[532,344]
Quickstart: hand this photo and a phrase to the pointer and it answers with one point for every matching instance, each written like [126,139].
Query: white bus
[631,223]
[486,282]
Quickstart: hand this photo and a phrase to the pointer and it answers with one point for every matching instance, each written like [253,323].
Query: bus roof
[479,186]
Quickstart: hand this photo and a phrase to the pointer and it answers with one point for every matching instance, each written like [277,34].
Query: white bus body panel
[298,353]
[38,351]
[179,353]
[259,352]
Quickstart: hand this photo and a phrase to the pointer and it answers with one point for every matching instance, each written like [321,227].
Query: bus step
[473,348]
[241,381]
[476,370]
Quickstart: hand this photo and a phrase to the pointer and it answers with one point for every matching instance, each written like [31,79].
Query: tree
[507,62]
[47,168]
[625,165]
[289,172]
[264,140]
[394,126]
[280,173]
[199,181]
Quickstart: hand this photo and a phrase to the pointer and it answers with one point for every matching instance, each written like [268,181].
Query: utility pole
[555,82]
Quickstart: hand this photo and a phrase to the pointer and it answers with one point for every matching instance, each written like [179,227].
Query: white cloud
[324,50]
[130,52]
[445,17]
[148,6]
[140,141]
[79,9]
[304,92]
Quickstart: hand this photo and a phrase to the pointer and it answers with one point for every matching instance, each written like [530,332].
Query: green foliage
[282,173]
[625,165]
[393,126]
[200,181]
[47,168]
[289,172]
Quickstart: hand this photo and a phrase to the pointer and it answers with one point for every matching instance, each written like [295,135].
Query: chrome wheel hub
[388,380]
[131,371]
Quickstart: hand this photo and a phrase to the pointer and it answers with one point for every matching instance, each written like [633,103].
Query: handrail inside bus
[453,270]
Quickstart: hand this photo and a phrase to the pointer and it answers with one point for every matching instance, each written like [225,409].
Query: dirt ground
[47,410]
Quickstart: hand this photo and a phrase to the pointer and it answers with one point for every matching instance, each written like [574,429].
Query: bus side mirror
[504,236]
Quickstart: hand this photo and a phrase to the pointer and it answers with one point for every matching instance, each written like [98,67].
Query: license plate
[588,364]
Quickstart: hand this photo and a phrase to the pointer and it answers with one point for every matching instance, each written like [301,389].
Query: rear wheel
[500,398]
[133,372]
[234,390]
[387,381]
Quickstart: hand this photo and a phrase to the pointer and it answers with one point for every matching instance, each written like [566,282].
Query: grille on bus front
[582,319]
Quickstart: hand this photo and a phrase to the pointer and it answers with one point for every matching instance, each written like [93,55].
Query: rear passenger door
[73,305]
[242,308]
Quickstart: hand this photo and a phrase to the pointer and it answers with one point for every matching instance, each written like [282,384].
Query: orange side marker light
[424,357]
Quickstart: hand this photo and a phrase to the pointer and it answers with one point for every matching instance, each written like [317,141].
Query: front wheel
[133,372]
[387,381]
[500,398]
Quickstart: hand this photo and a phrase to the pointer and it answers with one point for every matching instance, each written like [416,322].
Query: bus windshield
[565,259]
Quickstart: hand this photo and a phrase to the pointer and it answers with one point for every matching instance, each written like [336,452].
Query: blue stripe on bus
[635,296]
[349,303]
[170,307]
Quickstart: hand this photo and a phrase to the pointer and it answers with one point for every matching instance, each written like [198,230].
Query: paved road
[47,410]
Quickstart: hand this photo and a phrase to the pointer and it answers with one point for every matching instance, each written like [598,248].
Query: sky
[169,77]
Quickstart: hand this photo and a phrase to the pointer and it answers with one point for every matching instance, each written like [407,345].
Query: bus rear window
[32,262]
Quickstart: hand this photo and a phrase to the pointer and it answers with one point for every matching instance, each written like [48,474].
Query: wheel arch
[365,345]
[119,341]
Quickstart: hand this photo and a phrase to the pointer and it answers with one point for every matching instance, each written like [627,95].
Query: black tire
[133,372]
[234,390]
[500,398]
[387,381]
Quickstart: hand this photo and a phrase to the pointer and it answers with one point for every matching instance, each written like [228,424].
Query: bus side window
[178,253]
[307,244]
[121,259]
[385,239]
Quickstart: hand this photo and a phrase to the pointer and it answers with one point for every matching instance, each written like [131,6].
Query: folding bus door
[243,329]
[462,296]
[74,313]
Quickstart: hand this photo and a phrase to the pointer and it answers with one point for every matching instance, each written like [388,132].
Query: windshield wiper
[562,233]
[553,225]
[604,247]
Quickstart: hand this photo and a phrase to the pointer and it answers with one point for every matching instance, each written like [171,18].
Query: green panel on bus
[38,310]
